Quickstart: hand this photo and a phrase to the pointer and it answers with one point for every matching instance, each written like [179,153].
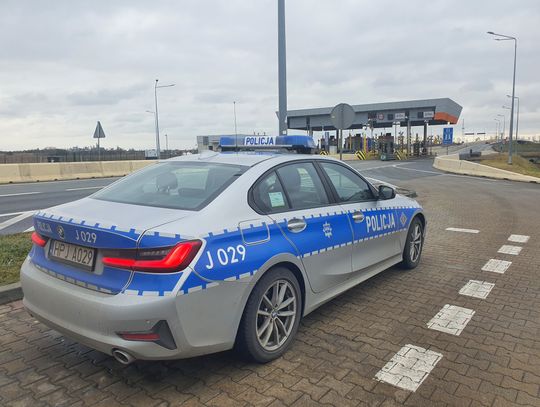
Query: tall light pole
[502,37]
[517,121]
[156,87]
[497,129]
[282,70]
[504,126]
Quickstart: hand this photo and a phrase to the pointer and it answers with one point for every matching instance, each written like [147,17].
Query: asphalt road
[19,201]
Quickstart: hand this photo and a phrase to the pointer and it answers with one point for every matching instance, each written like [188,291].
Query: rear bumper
[93,318]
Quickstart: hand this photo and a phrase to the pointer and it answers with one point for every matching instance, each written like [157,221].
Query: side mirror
[386,192]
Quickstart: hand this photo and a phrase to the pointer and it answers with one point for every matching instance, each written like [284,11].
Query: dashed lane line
[16,219]
[463,230]
[409,367]
[509,249]
[19,194]
[477,289]
[496,266]
[518,238]
[451,319]
[83,188]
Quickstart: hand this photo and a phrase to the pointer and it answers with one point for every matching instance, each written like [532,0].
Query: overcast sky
[66,64]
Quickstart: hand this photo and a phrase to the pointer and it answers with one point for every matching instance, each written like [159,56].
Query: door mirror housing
[386,192]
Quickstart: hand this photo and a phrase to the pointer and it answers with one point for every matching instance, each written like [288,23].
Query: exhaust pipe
[123,357]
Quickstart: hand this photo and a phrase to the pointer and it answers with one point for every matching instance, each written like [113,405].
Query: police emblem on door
[327,229]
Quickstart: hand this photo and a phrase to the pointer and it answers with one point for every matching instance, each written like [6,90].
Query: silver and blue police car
[205,253]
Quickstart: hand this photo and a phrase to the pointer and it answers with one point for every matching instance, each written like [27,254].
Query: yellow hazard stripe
[360,155]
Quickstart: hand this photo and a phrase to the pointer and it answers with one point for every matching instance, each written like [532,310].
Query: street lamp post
[504,126]
[282,70]
[503,37]
[156,87]
[497,129]
[517,117]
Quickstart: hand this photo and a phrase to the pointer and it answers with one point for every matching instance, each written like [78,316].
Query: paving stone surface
[342,346]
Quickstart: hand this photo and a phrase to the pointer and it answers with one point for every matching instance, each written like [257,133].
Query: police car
[203,253]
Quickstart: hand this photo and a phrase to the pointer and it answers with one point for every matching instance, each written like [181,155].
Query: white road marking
[414,169]
[463,230]
[82,188]
[30,229]
[16,219]
[10,214]
[20,193]
[518,238]
[509,249]
[497,266]
[409,367]
[451,319]
[476,289]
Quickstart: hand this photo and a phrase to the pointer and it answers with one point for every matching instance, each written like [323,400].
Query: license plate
[82,257]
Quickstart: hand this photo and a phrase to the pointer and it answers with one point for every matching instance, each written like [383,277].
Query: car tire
[271,317]
[413,245]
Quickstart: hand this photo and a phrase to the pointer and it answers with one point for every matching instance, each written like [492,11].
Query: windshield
[176,185]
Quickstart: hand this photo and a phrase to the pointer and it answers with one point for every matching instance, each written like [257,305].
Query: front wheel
[271,316]
[413,245]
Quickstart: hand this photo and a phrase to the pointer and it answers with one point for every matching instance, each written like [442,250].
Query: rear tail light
[38,240]
[139,336]
[169,260]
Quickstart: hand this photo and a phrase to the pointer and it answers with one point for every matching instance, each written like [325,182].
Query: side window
[349,186]
[302,185]
[268,195]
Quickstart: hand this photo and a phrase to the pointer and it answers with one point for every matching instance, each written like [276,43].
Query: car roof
[244,158]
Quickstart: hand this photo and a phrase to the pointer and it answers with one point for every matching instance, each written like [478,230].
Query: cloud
[67,64]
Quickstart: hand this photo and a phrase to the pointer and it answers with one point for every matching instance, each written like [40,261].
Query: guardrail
[15,173]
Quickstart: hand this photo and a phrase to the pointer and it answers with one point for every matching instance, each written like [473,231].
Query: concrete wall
[452,163]
[13,173]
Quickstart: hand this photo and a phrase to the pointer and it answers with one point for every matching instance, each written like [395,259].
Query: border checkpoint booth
[385,116]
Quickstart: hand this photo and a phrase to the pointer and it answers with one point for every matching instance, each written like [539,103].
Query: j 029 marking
[229,255]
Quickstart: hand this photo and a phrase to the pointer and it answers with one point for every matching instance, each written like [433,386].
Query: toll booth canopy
[432,112]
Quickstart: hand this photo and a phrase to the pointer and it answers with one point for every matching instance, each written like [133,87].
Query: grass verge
[519,164]
[13,251]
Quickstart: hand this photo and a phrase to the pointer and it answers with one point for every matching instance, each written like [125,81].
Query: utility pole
[156,87]
[282,69]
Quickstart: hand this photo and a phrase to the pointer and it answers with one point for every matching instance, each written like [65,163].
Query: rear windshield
[176,185]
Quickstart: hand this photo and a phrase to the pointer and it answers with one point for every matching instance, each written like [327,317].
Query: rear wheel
[271,316]
[413,245]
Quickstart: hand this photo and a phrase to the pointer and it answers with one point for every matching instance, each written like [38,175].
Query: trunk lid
[96,228]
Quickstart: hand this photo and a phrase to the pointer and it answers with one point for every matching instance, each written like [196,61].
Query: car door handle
[358,217]
[296,225]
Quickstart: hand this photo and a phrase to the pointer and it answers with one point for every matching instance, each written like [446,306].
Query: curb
[452,164]
[10,292]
